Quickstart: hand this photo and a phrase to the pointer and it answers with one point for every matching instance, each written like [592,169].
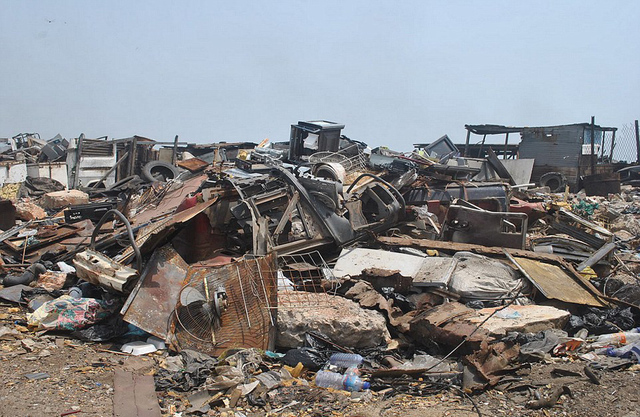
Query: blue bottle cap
[366,385]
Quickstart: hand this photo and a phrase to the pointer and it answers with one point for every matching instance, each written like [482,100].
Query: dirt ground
[78,381]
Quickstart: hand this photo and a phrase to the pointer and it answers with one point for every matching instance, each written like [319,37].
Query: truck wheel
[159,171]
[554,180]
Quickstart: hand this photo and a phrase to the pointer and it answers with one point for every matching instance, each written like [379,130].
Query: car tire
[159,171]
[555,181]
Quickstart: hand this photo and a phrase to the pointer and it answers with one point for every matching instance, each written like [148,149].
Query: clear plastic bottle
[617,339]
[351,382]
[345,360]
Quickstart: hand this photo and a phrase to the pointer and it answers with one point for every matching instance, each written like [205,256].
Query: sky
[395,73]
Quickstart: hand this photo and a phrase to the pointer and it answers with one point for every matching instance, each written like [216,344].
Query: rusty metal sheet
[151,303]
[134,395]
[555,283]
[170,201]
[45,237]
[193,164]
[476,226]
[248,321]
[152,235]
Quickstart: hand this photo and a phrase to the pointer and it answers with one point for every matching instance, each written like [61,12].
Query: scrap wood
[134,395]
[596,256]
[555,283]
[460,247]
[61,232]
[550,400]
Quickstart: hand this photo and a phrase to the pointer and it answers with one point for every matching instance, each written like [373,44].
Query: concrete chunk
[61,199]
[26,210]
[342,320]
[524,319]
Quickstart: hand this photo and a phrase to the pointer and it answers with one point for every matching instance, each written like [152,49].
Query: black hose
[391,187]
[29,275]
[121,216]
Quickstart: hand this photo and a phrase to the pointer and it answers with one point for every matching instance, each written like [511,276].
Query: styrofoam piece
[158,343]
[138,348]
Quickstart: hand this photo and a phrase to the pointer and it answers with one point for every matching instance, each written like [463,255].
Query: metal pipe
[506,144]
[174,153]
[593,145]
[121,216]
[637,142]
[104,177]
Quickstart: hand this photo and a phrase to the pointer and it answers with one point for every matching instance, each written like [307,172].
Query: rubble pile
[315,276]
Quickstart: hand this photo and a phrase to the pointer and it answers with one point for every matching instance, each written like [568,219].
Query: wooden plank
[596,257]
[554,283]
[468,247]
[134,395]
[146,399]
[124,399]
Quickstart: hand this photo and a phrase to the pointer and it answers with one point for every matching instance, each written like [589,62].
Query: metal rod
[244,300]
[264,290]
[174,154]
[613,144]
[593,145]
[506,144]
[104,177]
[637,142]
[78,156]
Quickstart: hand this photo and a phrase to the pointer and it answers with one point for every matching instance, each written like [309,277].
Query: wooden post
[133,155]
[613,144]
[174,155]
[506,143]
[593,145]
[484,137]
[76,177]
[637,143]
[466,144]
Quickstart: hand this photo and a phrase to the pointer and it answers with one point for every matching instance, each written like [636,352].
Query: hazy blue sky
[394,72]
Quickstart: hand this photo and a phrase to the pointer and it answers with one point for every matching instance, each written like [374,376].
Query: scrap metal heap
[443,272]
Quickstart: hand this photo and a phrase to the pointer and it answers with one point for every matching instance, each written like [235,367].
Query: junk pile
[268,277]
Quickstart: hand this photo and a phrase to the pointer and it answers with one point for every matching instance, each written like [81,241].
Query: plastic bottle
[345,360]
[351,382]
[627,351]
[617,339]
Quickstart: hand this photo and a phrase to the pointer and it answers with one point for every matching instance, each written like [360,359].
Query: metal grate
[305,281]
[624,148]
[97,148]
[227,306]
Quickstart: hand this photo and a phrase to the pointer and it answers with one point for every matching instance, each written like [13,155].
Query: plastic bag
[67,313]
[310,358]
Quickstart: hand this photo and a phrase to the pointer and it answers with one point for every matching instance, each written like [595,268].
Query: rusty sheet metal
[152,301]
[170,201]
[46,235]
[470,225]
[555,283]
[134,395]
[193,164]
[248,321]
[149,237]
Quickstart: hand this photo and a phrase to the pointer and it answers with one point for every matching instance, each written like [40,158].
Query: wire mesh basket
[349,162]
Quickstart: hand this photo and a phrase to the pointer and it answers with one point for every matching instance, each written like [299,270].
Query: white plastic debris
[138,348]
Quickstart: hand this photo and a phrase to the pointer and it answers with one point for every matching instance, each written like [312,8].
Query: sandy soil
[80,378]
